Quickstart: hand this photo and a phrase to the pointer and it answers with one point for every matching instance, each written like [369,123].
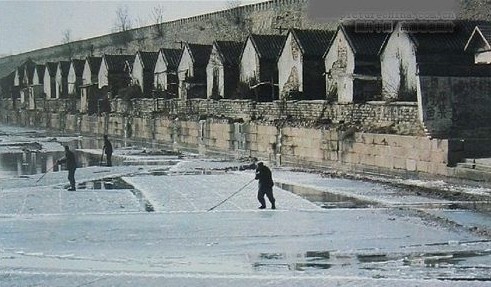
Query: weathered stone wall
[232,24]
[455,106]
[281,144]
[400,117]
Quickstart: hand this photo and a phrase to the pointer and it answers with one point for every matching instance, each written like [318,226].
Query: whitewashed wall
[398,57]
[72,80]
[160,73]
[185,68]
[215,63]
[35,78]
[102,77]
[483,57]
[137,72]
[249,63]
[340,66]
[47,83]
[59,82]
[87,74]
[290,67]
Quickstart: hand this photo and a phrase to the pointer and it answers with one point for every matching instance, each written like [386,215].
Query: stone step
[478,173]
[470,164]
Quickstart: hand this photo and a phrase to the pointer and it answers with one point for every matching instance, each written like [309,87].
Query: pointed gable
[200,54]
[268,47]
[171,57]
[313,43]
[453,40]
[480,38]
[363,43]
[29,68]
[94,64]
[118,63]
[78,67]
[39,74]
[51,67]
[148,59]
[64,68]
[229,51]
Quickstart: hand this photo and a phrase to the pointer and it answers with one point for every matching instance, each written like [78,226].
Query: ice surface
[108,237]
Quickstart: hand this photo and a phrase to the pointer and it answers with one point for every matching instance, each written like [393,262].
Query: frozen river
[146,222]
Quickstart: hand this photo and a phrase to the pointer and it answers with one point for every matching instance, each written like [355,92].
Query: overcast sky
[29,25]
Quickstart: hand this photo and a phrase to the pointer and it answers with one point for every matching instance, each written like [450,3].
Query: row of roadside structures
[360,61]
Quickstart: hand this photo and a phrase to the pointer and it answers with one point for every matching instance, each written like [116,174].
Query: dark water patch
[116,183]
[272,256]
[29,162]
[143,200]
[187,172]
[106,183]
[325,199]
[308,261]
[372,258]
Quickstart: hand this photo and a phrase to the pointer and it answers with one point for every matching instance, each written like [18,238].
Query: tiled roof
[117,63]
[200,53]
[171,57]
[229,51]
[454,41]
[313,42]
[8,81]
[268,46]
[29,65]
[52,67]
[149,60]
[363,43]
[65,67]
[78,65]
[94,64]
[449,70]
[486,31]
[40,70]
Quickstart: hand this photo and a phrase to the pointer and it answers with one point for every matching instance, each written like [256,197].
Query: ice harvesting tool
[223,201]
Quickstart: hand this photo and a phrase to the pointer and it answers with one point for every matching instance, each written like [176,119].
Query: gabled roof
[171,57]
[94,64]
[200,54]
[117,63]
[78,66]
[229,51]
[8,81]
[29,67]
[455,70]
[268,47]
[149,59]
[453,41]
[362,43]
[52,67]
[481,32]
[64,67]
[40,69]
[313,43]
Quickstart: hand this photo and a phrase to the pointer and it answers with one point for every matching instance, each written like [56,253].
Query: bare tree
[158,19]
[67,41]
[238,20]
[67,36]
[123,20]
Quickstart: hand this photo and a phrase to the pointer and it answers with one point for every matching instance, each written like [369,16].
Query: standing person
[108,149]
[71,166]
[263,174]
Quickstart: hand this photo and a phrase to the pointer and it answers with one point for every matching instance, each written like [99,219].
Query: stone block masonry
[283,144]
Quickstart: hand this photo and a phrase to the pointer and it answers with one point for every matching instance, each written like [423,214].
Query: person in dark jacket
[263,175]
[71,166]
[108,150]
